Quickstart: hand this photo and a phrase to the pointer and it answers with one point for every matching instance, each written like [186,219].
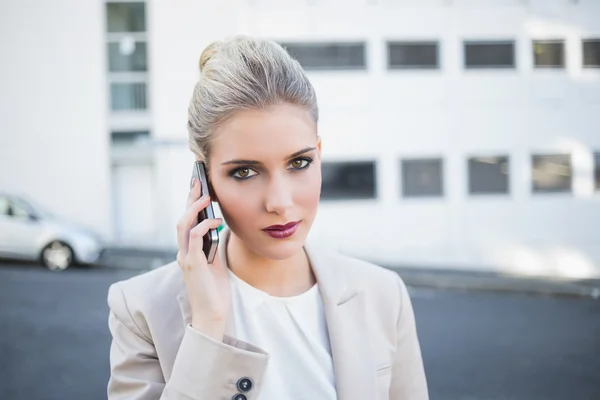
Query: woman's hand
[207,284]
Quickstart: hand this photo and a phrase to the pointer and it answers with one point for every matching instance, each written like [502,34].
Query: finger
[196,237]
[187,221]
[195,192]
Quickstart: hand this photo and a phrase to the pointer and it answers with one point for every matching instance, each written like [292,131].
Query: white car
[29,232]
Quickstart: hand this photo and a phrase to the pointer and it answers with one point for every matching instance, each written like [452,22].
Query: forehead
[274,132]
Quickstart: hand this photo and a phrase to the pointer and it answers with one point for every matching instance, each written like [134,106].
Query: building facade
[456,133]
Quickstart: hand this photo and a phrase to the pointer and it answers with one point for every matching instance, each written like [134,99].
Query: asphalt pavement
[477,345]
[426,277]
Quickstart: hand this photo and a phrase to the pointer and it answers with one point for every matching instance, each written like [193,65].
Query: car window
[3,206]
[19,211]
[16,210]
[35,208]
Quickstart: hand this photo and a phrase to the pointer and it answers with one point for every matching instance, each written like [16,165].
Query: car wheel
[57,256]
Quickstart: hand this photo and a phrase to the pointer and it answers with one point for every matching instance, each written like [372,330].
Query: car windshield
[35,207]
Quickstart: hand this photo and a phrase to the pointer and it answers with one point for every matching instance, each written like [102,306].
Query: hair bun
[207,54]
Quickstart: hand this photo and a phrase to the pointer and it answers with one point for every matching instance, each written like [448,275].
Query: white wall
[53,136]
[385,115]
[178,32]
[134,205]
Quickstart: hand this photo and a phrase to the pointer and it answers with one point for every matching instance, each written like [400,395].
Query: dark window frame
[129,136]
[413,43]
[472,191]
[328,195]
[542,191]
[323,44]
[143,22]
[407,194]
[585,64]
[143,57]
[596,171]
[490,42]
[114,100]
[541,42]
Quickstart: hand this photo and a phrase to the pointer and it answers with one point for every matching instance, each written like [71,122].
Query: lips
[280,227]
[282,231]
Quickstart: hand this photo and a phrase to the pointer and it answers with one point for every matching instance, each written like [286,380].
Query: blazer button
[244,385]
[239,396]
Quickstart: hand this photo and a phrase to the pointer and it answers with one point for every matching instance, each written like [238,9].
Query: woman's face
[265,170]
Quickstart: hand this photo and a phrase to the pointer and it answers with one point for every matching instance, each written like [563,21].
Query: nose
[279,197]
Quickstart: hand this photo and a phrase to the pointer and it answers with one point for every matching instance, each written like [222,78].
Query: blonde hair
[239,74]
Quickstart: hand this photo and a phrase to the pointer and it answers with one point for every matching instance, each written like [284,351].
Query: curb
[458,280]
[492,283]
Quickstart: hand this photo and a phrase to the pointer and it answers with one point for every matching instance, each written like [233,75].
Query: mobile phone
[210,241]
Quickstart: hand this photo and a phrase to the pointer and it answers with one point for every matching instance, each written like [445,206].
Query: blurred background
[461,147]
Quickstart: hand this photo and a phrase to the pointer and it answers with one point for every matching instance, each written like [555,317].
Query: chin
[277,249]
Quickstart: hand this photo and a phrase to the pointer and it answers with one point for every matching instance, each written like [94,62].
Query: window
[127,137]
[489,54]
[597,171]
[591,53]
[125,17]
[413,55]
[549,53]
[4,206]
[348,180]
[328,56]
[11,208]
[422,178]
[127,55]
[128,96]
[488,175]
[17,211]
[551,173]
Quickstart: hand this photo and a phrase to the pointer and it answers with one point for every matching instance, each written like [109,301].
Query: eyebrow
[254,162]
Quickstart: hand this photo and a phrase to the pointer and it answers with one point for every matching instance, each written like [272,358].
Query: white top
[294,333]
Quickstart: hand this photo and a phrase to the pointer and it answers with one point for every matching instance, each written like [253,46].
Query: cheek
[232,203]
[308,192]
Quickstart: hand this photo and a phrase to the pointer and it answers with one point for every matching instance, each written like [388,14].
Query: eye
[301,163]
[243,173]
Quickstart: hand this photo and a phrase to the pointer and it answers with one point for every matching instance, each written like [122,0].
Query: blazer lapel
[349,337]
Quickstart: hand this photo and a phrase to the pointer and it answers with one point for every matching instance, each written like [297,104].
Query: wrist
[212,328]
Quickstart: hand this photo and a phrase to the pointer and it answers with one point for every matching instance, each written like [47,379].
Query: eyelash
[307,159]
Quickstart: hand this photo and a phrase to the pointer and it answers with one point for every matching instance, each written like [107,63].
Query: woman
[272,317]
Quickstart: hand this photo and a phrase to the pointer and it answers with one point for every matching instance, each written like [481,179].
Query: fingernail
[193,184]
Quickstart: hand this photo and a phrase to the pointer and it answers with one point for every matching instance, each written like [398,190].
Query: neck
[280,278]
